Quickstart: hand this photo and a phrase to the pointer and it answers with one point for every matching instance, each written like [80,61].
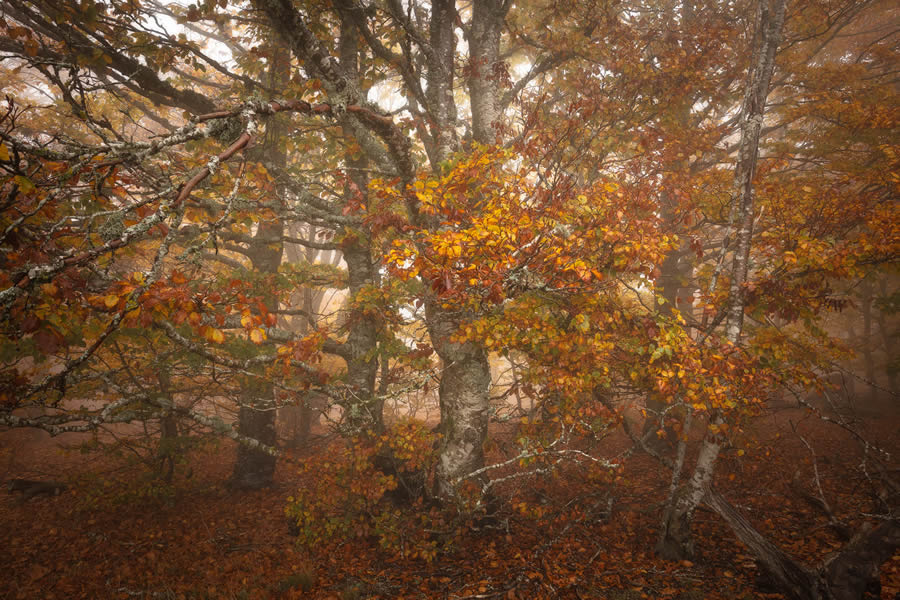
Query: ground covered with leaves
[556,537]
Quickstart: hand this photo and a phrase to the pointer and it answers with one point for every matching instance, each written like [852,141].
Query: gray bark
[466,374]
[340,79]
[850,574]
[485,65]
[363,409]
[464,400]
[675,541]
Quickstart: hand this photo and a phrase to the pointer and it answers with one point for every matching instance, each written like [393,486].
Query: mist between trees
[445,250]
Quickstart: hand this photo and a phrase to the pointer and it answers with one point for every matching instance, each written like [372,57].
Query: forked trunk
[466,374]
[675,540]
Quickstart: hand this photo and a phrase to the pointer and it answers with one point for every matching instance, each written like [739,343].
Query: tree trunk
[363,409]
[868,341]
[168,431]
[854,572]
[782,570]
[254,469]
[851,574]
[466,374]
[676,271]
[675,541]
[464,400]
[298,419]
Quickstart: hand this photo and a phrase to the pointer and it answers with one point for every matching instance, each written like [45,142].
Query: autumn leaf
[24,184]
[214,335]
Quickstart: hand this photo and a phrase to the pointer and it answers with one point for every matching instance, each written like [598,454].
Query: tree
[519,181]
[768,33]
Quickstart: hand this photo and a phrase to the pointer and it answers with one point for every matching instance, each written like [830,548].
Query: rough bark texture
[464,399]
[465,371]
[439,94]
[363,408]
[466,374]
[851,574]
[675,542]
[486,68]
[854,572]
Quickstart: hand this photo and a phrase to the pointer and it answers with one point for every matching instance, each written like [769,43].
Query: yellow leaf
[111,300]
[24,184]
[582,322]
[215,335]
[257,336]
[4,152]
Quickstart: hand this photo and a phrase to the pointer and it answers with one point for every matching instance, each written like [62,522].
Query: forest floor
[208,541]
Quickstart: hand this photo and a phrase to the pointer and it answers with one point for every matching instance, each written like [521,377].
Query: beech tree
[645,202]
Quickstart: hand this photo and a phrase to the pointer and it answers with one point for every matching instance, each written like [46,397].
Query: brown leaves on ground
[212,542]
